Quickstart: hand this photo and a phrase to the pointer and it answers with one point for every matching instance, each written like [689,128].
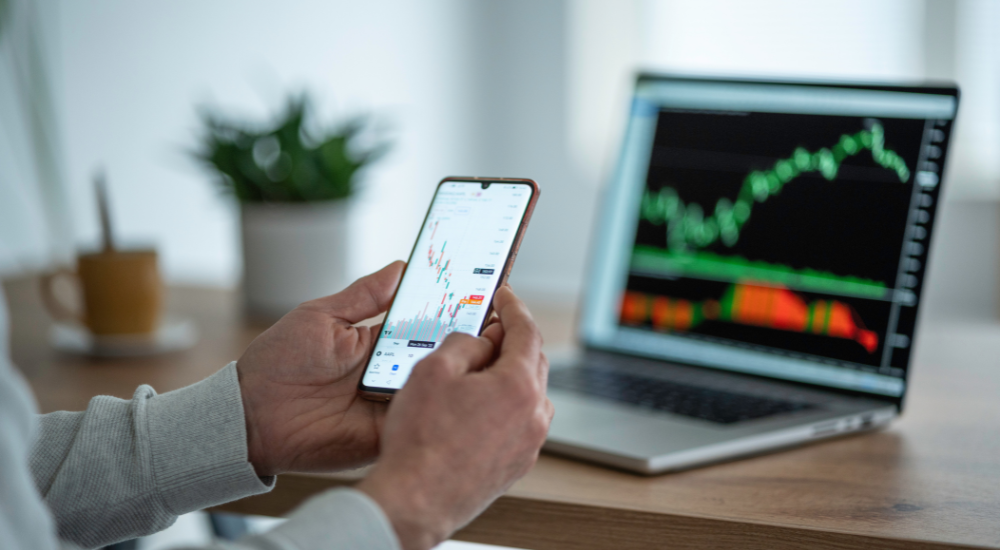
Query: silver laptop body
[756,270]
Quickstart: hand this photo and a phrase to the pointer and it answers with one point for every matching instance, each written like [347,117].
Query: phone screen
[458,262]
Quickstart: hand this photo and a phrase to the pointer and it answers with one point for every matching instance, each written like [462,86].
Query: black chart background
[854,225]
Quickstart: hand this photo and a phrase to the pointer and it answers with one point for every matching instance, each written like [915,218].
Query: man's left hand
[299,382]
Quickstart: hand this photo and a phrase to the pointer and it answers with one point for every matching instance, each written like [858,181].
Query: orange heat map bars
[751,304]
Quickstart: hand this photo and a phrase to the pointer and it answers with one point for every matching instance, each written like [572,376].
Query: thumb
[365,298]
[459,354]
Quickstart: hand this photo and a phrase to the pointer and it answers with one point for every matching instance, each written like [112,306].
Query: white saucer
[173,335]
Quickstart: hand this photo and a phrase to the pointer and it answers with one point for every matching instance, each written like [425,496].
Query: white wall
[975,164]
[133,74]
[33,229]
[520,84]
[472,88]
[849,39]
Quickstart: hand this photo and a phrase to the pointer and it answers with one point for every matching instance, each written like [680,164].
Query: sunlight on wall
[847,39]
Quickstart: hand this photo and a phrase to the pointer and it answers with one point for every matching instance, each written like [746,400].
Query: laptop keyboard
[720,406]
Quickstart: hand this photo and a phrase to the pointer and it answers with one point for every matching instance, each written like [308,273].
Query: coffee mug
[122,292]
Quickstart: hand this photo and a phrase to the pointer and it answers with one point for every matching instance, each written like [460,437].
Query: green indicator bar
[652,260]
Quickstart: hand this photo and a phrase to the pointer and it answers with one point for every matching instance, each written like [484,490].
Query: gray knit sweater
[122,469]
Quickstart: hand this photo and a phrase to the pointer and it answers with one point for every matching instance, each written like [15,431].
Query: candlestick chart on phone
[790,242]
[434,321]
[452,271]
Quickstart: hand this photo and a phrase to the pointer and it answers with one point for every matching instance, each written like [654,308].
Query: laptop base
[647,441]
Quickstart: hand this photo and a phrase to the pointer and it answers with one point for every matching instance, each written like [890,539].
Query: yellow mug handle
[56,308]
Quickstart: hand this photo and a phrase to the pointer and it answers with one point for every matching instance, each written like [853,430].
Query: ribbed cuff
[198,443]
[342,518]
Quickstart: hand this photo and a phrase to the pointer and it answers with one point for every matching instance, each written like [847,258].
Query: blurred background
[522,88]
[490,87]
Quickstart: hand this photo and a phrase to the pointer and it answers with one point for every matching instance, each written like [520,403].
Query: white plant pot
[292,253]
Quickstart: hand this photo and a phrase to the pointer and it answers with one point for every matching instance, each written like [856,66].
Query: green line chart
[688,226]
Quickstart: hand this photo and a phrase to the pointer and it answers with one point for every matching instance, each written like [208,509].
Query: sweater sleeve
[123,469]
[340,519]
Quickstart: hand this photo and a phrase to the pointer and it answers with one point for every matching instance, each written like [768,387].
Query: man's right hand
[468,424]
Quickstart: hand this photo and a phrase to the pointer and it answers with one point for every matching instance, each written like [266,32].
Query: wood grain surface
[932,480]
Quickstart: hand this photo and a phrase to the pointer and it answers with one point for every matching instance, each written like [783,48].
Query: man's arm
[123,469]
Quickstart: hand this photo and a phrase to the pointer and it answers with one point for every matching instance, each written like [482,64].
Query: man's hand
[468,424]
[299,382]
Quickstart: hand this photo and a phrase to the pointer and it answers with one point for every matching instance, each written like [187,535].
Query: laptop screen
[777,229]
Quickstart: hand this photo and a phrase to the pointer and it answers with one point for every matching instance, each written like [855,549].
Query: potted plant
[294,185]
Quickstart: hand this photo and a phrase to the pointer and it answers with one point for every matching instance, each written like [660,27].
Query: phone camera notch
[486,185]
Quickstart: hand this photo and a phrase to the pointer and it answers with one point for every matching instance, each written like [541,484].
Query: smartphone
[464,252]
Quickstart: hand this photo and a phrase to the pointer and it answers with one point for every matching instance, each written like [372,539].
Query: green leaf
[291,165]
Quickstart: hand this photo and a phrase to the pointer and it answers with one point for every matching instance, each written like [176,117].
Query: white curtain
[35,231]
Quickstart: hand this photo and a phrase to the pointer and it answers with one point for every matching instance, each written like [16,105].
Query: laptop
[756,272]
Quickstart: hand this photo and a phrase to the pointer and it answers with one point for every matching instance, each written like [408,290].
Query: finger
[365,298]
[459,353]
[543,369]
[494,318]
[522,343]
[373,333]
[494,333]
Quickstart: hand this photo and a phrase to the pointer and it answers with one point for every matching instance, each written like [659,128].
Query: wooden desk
[930,481]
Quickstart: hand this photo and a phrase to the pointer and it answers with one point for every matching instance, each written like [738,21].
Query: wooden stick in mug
[100,185]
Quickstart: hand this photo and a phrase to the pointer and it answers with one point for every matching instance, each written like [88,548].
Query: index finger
[364,298]
[461,353]
[522,342]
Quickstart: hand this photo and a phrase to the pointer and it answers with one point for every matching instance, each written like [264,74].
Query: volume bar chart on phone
[433,327]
